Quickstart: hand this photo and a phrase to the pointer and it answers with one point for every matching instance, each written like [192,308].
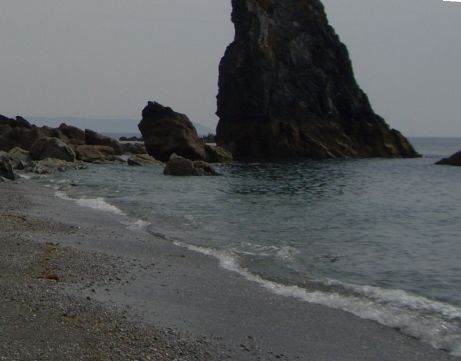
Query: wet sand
[97,290]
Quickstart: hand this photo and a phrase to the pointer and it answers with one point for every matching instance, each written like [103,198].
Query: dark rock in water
[287,89]
[95,153]
[217,154]
[141,160]
[51,148]
[455,159]
[94,138]
[6,169]
[180,166]
[166,132]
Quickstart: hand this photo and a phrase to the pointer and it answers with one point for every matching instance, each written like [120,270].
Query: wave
[95,203]
[433,322]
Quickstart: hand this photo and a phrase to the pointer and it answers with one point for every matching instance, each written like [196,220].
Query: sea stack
[287,89]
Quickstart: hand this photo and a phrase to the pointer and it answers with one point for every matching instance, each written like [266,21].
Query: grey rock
[51,148]
[287,89]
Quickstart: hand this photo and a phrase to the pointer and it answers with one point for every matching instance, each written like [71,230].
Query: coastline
[182,297]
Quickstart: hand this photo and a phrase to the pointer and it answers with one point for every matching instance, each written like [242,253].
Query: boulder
[180,166]
[54,148]
[94,138]
[6,169]
[95,153]
[19,157]
[141,160]
[454,159]
[287,89]
[166,132]
[217,154]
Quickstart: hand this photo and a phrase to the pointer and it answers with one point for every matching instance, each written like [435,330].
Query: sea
[379,238]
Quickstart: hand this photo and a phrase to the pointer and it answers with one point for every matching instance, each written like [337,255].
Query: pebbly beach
[79,284]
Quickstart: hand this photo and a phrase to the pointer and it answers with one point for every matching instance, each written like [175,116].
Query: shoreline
[177,289]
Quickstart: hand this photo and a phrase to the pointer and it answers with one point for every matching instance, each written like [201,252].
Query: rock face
[180,166]
[455,159]
[166,132]
[287,89]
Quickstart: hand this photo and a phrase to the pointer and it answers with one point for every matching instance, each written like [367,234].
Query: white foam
[287,253]
[139,225]
[95,203]
[433,322]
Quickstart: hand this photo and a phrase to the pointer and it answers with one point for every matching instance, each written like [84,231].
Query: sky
[107,58]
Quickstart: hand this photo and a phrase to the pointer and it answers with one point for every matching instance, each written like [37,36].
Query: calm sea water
[379,238]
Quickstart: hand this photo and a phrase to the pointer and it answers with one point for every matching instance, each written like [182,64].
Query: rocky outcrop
[166,132]
[454,159]
[180,166]
[287,89]
[51,148]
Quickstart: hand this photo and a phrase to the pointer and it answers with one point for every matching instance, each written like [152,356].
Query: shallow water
[376,237]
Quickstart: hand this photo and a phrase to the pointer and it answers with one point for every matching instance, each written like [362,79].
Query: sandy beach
[79,284]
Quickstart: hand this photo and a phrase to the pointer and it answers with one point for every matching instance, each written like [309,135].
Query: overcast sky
[106,58]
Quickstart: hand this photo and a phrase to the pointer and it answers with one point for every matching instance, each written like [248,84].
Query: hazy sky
[106,58]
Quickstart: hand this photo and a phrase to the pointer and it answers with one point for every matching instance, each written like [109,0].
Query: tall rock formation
[287,89]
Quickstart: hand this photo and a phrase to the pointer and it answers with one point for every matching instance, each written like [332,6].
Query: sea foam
[433,322]
[95,203]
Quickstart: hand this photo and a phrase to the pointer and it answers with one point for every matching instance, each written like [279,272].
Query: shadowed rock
[166,132]
[455,160]
[287,89]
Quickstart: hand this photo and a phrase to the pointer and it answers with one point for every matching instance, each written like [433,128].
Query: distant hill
[107,126]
